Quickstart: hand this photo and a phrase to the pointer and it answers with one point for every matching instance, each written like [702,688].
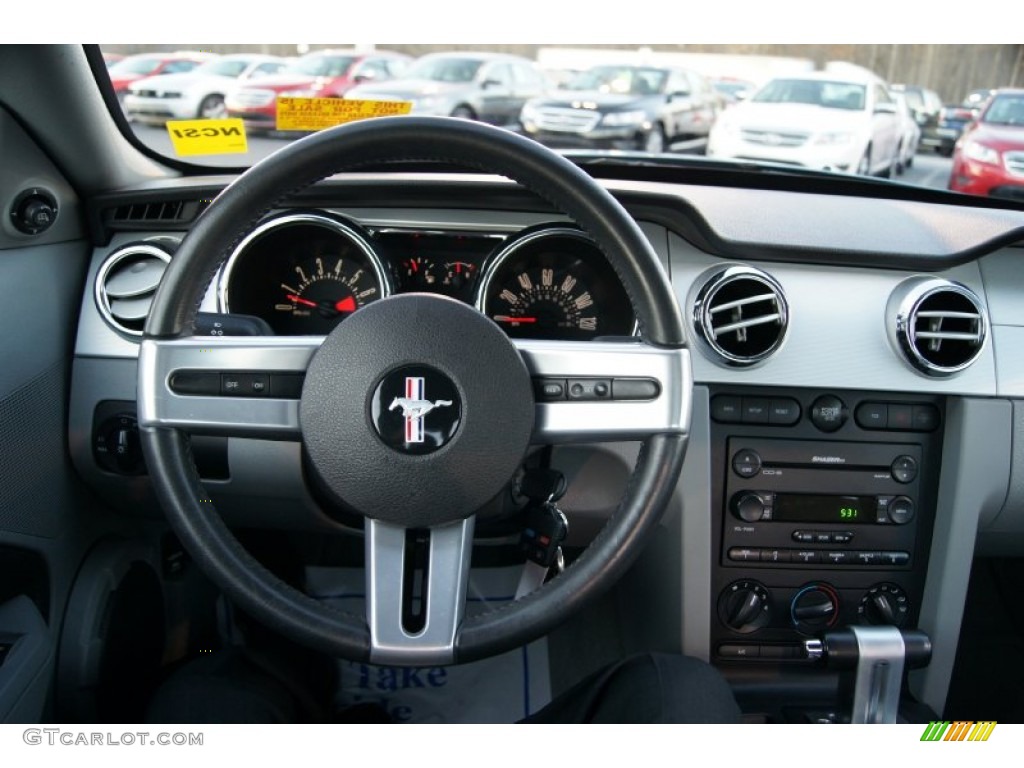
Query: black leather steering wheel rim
[389,140]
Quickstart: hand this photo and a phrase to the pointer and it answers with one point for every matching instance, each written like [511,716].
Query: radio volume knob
[749,507]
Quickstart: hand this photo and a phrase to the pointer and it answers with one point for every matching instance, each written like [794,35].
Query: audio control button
[895,558]
[904,469]
[867,558]
[776,556]
[744,554]
[842,537]
[804,537]
[746,463]
[755,410]
[806,556]
[726,409]
[901,510]
[822,537]
[840,557]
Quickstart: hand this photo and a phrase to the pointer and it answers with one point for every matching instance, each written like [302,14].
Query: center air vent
[741,313]
[126,283]
[938,325]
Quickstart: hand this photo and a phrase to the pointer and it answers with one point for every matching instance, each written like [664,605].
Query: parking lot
[929,170]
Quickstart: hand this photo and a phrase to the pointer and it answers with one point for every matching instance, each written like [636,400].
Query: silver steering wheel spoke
[624,390]
[234,386]
[416,583]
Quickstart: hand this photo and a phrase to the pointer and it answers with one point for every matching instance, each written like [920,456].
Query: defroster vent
[939,326]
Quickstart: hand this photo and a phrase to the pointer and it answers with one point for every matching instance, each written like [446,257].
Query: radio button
[726,409]
[895,558]
[868,558]
[841,557]
[746,463]
[828,413]
[842,537]
[752,507]
[904,469]
[755,410]
[775,556]
[806,556]
[821,537]
[804,537]
[872,415]
[785,412]
[744,554]
[901,510]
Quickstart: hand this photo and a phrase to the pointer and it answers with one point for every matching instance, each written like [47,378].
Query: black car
[927,110]
[624,107]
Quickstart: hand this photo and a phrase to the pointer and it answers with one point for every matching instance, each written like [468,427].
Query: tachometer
[303,273]
[554,283]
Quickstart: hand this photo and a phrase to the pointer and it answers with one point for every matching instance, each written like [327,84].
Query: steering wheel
[482,383]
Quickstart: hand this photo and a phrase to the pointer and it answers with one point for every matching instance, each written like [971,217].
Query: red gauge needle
[300,300]
[509,319]
[347,304]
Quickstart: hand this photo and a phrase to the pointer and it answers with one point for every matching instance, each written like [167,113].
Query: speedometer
[554,283]
[303,273]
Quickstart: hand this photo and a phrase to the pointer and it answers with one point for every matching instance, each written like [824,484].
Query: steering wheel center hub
[416,410]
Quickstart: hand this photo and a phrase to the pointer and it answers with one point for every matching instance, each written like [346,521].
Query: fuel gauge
[458,278]
[418,273]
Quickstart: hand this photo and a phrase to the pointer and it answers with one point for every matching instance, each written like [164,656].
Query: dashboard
[855,361]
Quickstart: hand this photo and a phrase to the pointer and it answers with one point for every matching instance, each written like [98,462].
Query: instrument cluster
[305,272]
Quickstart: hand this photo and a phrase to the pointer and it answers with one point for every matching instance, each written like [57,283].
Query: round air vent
[741,314]
[939,326]
[125,285]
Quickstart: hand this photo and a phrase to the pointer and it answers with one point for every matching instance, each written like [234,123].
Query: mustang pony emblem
[415,407]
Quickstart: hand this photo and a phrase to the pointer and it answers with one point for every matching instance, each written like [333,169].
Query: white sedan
[825,121]
[196,94]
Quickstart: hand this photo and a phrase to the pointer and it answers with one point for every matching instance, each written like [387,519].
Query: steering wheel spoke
[237,386]
[587,391]
[416,582]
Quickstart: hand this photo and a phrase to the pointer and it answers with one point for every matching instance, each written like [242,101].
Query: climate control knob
[745,606]
[884,604]
[814,608]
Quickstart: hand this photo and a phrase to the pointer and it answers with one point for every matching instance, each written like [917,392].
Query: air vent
[939,325]
[741,314]
[125,285]
[167,212]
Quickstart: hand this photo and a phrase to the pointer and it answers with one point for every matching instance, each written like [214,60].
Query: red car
[131,68]
[989,158]
[317,74]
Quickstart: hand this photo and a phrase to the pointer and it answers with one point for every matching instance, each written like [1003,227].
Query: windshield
[320,66]
[833,95]
[222,67]
[624,80]
[1005,110]
[445,70]
[776,107]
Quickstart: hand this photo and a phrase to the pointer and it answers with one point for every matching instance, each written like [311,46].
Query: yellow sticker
[207,137]
[300,114]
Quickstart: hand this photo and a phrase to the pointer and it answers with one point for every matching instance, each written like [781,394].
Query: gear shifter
[874,659]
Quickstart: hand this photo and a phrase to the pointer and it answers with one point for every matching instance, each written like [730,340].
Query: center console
[824,505]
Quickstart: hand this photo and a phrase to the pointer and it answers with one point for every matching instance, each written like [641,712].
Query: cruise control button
[590,389]
[235,384]
[195,383]
[549,389]
[828,413]
[872,415]
[287,386]
[746,463]
[635,389]
[727,409]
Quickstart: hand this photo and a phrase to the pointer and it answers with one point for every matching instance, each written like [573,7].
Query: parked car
[131,68]
[926,108]
[989,157]
[320,74]
[624,107]
[490,87]
[732,89]
[826,120]
[110,58]
[910,134]
[199,93]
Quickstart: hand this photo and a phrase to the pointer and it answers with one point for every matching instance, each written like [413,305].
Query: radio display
[812,508]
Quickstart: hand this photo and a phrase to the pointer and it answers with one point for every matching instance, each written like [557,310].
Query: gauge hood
[595,100]
[793,117]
